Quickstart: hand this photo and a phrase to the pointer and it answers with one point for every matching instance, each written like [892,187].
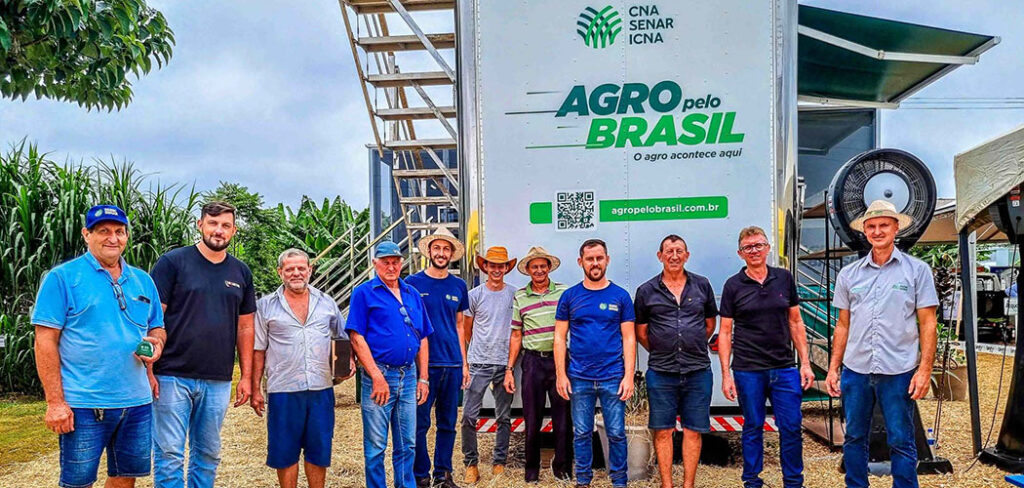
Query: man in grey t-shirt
[488,326]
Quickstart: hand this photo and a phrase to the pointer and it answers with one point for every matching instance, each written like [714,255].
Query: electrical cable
[1002,366]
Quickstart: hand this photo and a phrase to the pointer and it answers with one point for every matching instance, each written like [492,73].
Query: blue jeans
[193,409]
[782,387]
[124,433]
[860,393]
[445,384]
[398,415]
[585,395]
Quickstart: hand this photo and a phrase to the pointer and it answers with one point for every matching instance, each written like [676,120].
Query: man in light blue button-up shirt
[294,329]
[885,340]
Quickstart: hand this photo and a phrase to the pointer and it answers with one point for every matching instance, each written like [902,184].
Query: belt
[540,354]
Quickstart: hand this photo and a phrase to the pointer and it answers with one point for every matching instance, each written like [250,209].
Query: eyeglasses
[752,248]
[119,293]
[405,315]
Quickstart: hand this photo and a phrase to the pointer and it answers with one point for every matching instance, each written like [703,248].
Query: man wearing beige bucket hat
[533,331]
[885,342]
[487,327]
[445,298]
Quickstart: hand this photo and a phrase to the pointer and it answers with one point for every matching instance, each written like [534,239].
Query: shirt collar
[314,295]
[744,277]
[95,263]
[377,282]
[897,256]
[551,287]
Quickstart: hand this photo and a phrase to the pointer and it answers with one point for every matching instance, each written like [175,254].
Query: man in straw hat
[445,298]
[388,327]
[885,341]
[533,331]
[488,322]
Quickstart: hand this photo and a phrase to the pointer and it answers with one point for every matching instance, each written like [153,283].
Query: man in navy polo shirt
[761,324]
[90,316]
[388,327]
[446,298]
[597,316]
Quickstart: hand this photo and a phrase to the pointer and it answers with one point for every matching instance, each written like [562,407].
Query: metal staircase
[427,187]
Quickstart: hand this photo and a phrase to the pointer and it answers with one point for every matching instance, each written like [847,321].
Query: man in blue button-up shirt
[885,341]
[91,315]
[388,326]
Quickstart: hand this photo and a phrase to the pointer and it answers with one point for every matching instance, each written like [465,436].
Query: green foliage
[263,233]
[42,208]
[79,51]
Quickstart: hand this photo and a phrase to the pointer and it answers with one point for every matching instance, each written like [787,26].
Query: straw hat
[442,233]
[496,255]
[537,252]
[881,208]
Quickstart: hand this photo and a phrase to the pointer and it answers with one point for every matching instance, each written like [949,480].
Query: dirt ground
[244,451]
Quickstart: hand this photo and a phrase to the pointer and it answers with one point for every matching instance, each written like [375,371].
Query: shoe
[472,474]
[445,482]
[497,469]
[423,483]
[567,476]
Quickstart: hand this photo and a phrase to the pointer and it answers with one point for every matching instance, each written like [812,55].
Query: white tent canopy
[985,174]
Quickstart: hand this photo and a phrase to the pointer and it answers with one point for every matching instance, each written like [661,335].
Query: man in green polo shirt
[533,331]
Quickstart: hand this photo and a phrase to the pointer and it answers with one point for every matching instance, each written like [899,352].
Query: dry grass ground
[244,450]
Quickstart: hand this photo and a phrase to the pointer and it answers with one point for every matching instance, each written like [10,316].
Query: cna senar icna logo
[598,28]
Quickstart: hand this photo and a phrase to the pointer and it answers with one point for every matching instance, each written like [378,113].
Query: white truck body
[628,122]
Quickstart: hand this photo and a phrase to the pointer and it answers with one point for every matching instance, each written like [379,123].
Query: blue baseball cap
[101,213]
[386,249]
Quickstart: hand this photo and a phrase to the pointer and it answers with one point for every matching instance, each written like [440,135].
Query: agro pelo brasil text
[664,97]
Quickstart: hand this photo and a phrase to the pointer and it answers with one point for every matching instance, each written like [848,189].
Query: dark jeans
[482,377]
[538,383]
[860,392]
[782,387]
[445,384]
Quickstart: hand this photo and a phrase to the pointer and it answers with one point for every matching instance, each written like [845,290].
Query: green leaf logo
[599,28]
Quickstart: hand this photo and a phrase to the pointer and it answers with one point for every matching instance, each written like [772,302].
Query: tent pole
[970,333]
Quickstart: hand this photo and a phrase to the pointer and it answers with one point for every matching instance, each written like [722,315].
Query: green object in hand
[144,349]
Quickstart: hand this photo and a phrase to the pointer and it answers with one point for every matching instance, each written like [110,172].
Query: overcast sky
[265,94]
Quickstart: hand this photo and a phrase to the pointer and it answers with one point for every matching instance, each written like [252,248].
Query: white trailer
[628,122]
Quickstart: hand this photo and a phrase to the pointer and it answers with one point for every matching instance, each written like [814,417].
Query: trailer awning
[855,60]
[985,174]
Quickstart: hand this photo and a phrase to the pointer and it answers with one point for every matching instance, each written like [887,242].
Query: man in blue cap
[98,324]
[388,326]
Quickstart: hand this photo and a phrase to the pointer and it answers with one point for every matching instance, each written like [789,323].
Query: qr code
[575,210]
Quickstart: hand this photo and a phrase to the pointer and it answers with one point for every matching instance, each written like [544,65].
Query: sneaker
[423,483]
[472,474]
[497,469]
[445,482]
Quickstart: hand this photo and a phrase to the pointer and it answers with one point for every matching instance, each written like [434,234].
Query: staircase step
[405,43]
[416,144]
[423,173]
[414,113]
[439,200]
[423,78]
[384,6]
[429,226]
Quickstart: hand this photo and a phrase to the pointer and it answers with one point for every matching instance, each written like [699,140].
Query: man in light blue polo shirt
[388,326]
[92,316]
[885,340]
